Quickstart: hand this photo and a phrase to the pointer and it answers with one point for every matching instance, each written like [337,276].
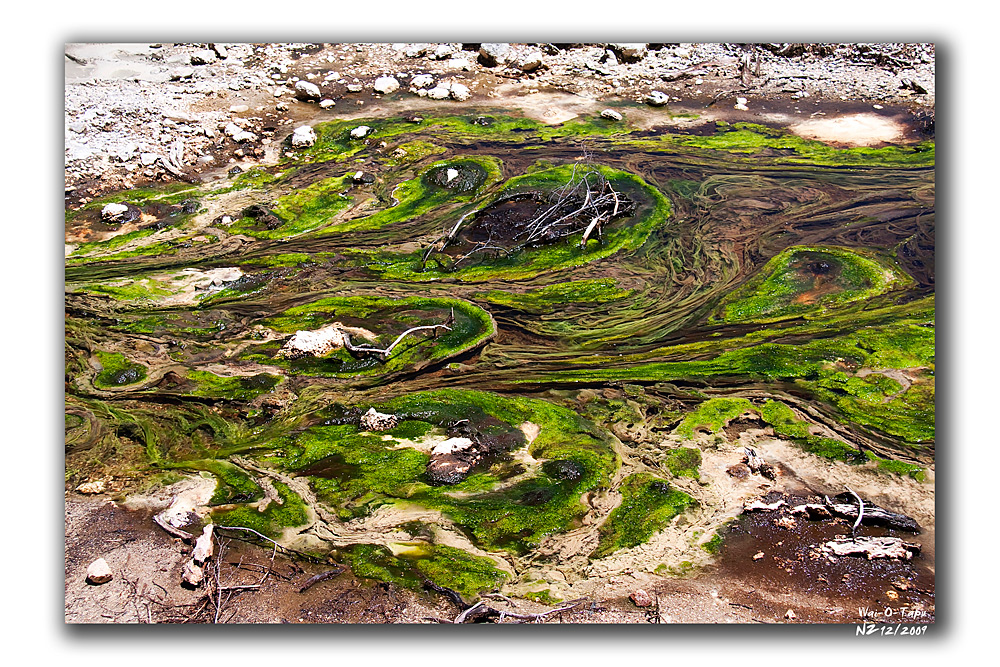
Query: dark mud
[768,561]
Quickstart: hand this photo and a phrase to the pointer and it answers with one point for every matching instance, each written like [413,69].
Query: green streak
[545,299]
[117,371]
[289,513]
[240,388]
[713,414]
[648,505]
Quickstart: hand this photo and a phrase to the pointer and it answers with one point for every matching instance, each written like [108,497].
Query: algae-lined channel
[246,332]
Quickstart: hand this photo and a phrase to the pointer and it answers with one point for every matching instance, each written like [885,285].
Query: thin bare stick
[461,617]
[176,532]
[387,351]
[861,511]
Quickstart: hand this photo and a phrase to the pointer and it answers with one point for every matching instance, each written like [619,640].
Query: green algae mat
[464,346]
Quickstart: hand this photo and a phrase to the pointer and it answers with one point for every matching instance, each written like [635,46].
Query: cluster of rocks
[142,112]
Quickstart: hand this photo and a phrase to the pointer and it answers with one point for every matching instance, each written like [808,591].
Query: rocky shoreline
[144,113]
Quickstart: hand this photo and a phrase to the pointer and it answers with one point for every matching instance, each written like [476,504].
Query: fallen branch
[176,532]
[322,576]
[308,557]
[861,512]
[481,609]
[368,349]
[872,548]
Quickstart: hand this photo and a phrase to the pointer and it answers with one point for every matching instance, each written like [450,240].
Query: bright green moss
[653,210]
[413,151]
[683,462]
[714,545]
[520,515]
[111,244]
[302,210]
[903,341]
[117,371]
[464,573]
[290,512]
[805,280]
[387,318]
[136,290]
[237,388]
[782,418]
[786,147]
[713,415]
[421,195]
[908,415]
[233,484]
[448,567]
[547,299]
[542,597]
[900,468]
[355,464]
[648,504]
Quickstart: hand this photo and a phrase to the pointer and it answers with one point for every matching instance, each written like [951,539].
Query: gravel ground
[139,113]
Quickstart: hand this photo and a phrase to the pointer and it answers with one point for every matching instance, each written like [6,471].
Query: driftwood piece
[384,353]
[176,532]
[873,515]
[322,576]
[872,547]
[760,506]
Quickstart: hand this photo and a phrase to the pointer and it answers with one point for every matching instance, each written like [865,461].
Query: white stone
[451,445]
[91,488]
[239,108]
[451,175]
[463,64]
[439,92]
[386,85]
[203,57]
[203,547]
[629,52]
[446,51]
[530,62]
[112,212]
[316,343]
[460,92]
[360,132]
[422,81]
[148,159]
[375,421]
[494,53]
[657,99]
[326,104]
[307,91]
[611,114]
[193,574]
[303,137]
[416,50]
[641,598]
[99,572]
